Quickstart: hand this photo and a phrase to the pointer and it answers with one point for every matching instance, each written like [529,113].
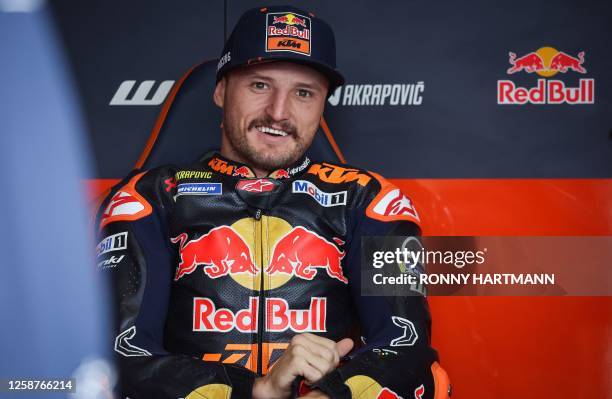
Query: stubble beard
[270,160]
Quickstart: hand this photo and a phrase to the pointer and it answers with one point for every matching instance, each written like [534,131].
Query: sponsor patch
[221,166]
[279,316]
[256,186]
[337,174]
[126,204]
[170,184]
[111,262]
[288,32]
[192,174]
[116,242]
[546,62]
[289,172]
[199,189]
[246,356]
[243,171]
[227,57]
[323,198]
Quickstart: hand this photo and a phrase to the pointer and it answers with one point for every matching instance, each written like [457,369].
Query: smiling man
[240,275]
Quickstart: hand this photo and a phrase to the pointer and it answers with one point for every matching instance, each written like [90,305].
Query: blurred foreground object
[52,308]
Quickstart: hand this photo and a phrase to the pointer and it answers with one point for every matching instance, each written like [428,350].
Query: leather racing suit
[214,271]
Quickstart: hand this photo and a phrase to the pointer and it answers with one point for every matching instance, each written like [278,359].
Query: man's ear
[219,94]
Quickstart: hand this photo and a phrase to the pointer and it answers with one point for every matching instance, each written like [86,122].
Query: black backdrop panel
[421,87]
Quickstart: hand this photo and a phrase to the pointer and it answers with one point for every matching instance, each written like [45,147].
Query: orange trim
[441,381]
[211,357]
[234,358]
[385,195]
[161,118]
[130,189]
[331,140]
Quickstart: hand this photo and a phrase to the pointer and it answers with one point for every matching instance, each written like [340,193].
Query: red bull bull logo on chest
[223,251]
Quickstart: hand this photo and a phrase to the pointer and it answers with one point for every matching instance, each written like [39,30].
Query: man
[239,276]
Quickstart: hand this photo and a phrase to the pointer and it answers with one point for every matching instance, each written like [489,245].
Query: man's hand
[309,356]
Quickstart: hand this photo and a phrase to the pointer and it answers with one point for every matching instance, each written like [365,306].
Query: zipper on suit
[259,250]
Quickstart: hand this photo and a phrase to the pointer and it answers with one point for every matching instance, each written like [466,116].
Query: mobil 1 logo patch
[199,189]
[116,242]
[323,198]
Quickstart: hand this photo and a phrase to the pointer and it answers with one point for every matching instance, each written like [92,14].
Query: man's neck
[236,158]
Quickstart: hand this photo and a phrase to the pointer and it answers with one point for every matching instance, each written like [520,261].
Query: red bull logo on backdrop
[546,62]
[294,252]
[288,32]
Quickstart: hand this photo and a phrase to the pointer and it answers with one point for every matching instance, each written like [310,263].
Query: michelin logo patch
[116,242]
[199,189]
[323,198]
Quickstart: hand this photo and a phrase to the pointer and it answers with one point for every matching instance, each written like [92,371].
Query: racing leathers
[215,270]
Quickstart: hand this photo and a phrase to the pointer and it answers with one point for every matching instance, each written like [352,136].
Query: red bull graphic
[546,62]
[562,62]
[288,32]
[278,316]
[243,171]
[290,19]
[255,186]
[301,252]
[530,63]
[546,92]
[281,174]
[221,251]
[296,252]
[386,393]
[419,392]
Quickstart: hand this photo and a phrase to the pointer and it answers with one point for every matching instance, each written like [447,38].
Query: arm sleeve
[396,359]
[134,251]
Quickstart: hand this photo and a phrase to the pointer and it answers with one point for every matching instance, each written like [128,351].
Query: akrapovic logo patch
[378,94]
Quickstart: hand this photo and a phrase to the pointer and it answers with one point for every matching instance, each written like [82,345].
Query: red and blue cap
[281,33]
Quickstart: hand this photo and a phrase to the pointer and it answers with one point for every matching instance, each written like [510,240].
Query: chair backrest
[188,125]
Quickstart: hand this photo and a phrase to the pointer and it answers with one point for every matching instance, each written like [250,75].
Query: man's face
[271,113]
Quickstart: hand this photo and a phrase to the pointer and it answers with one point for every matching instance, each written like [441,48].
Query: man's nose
[278,106]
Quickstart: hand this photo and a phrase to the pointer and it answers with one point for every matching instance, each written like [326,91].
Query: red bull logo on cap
[288,32]
[546,62]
